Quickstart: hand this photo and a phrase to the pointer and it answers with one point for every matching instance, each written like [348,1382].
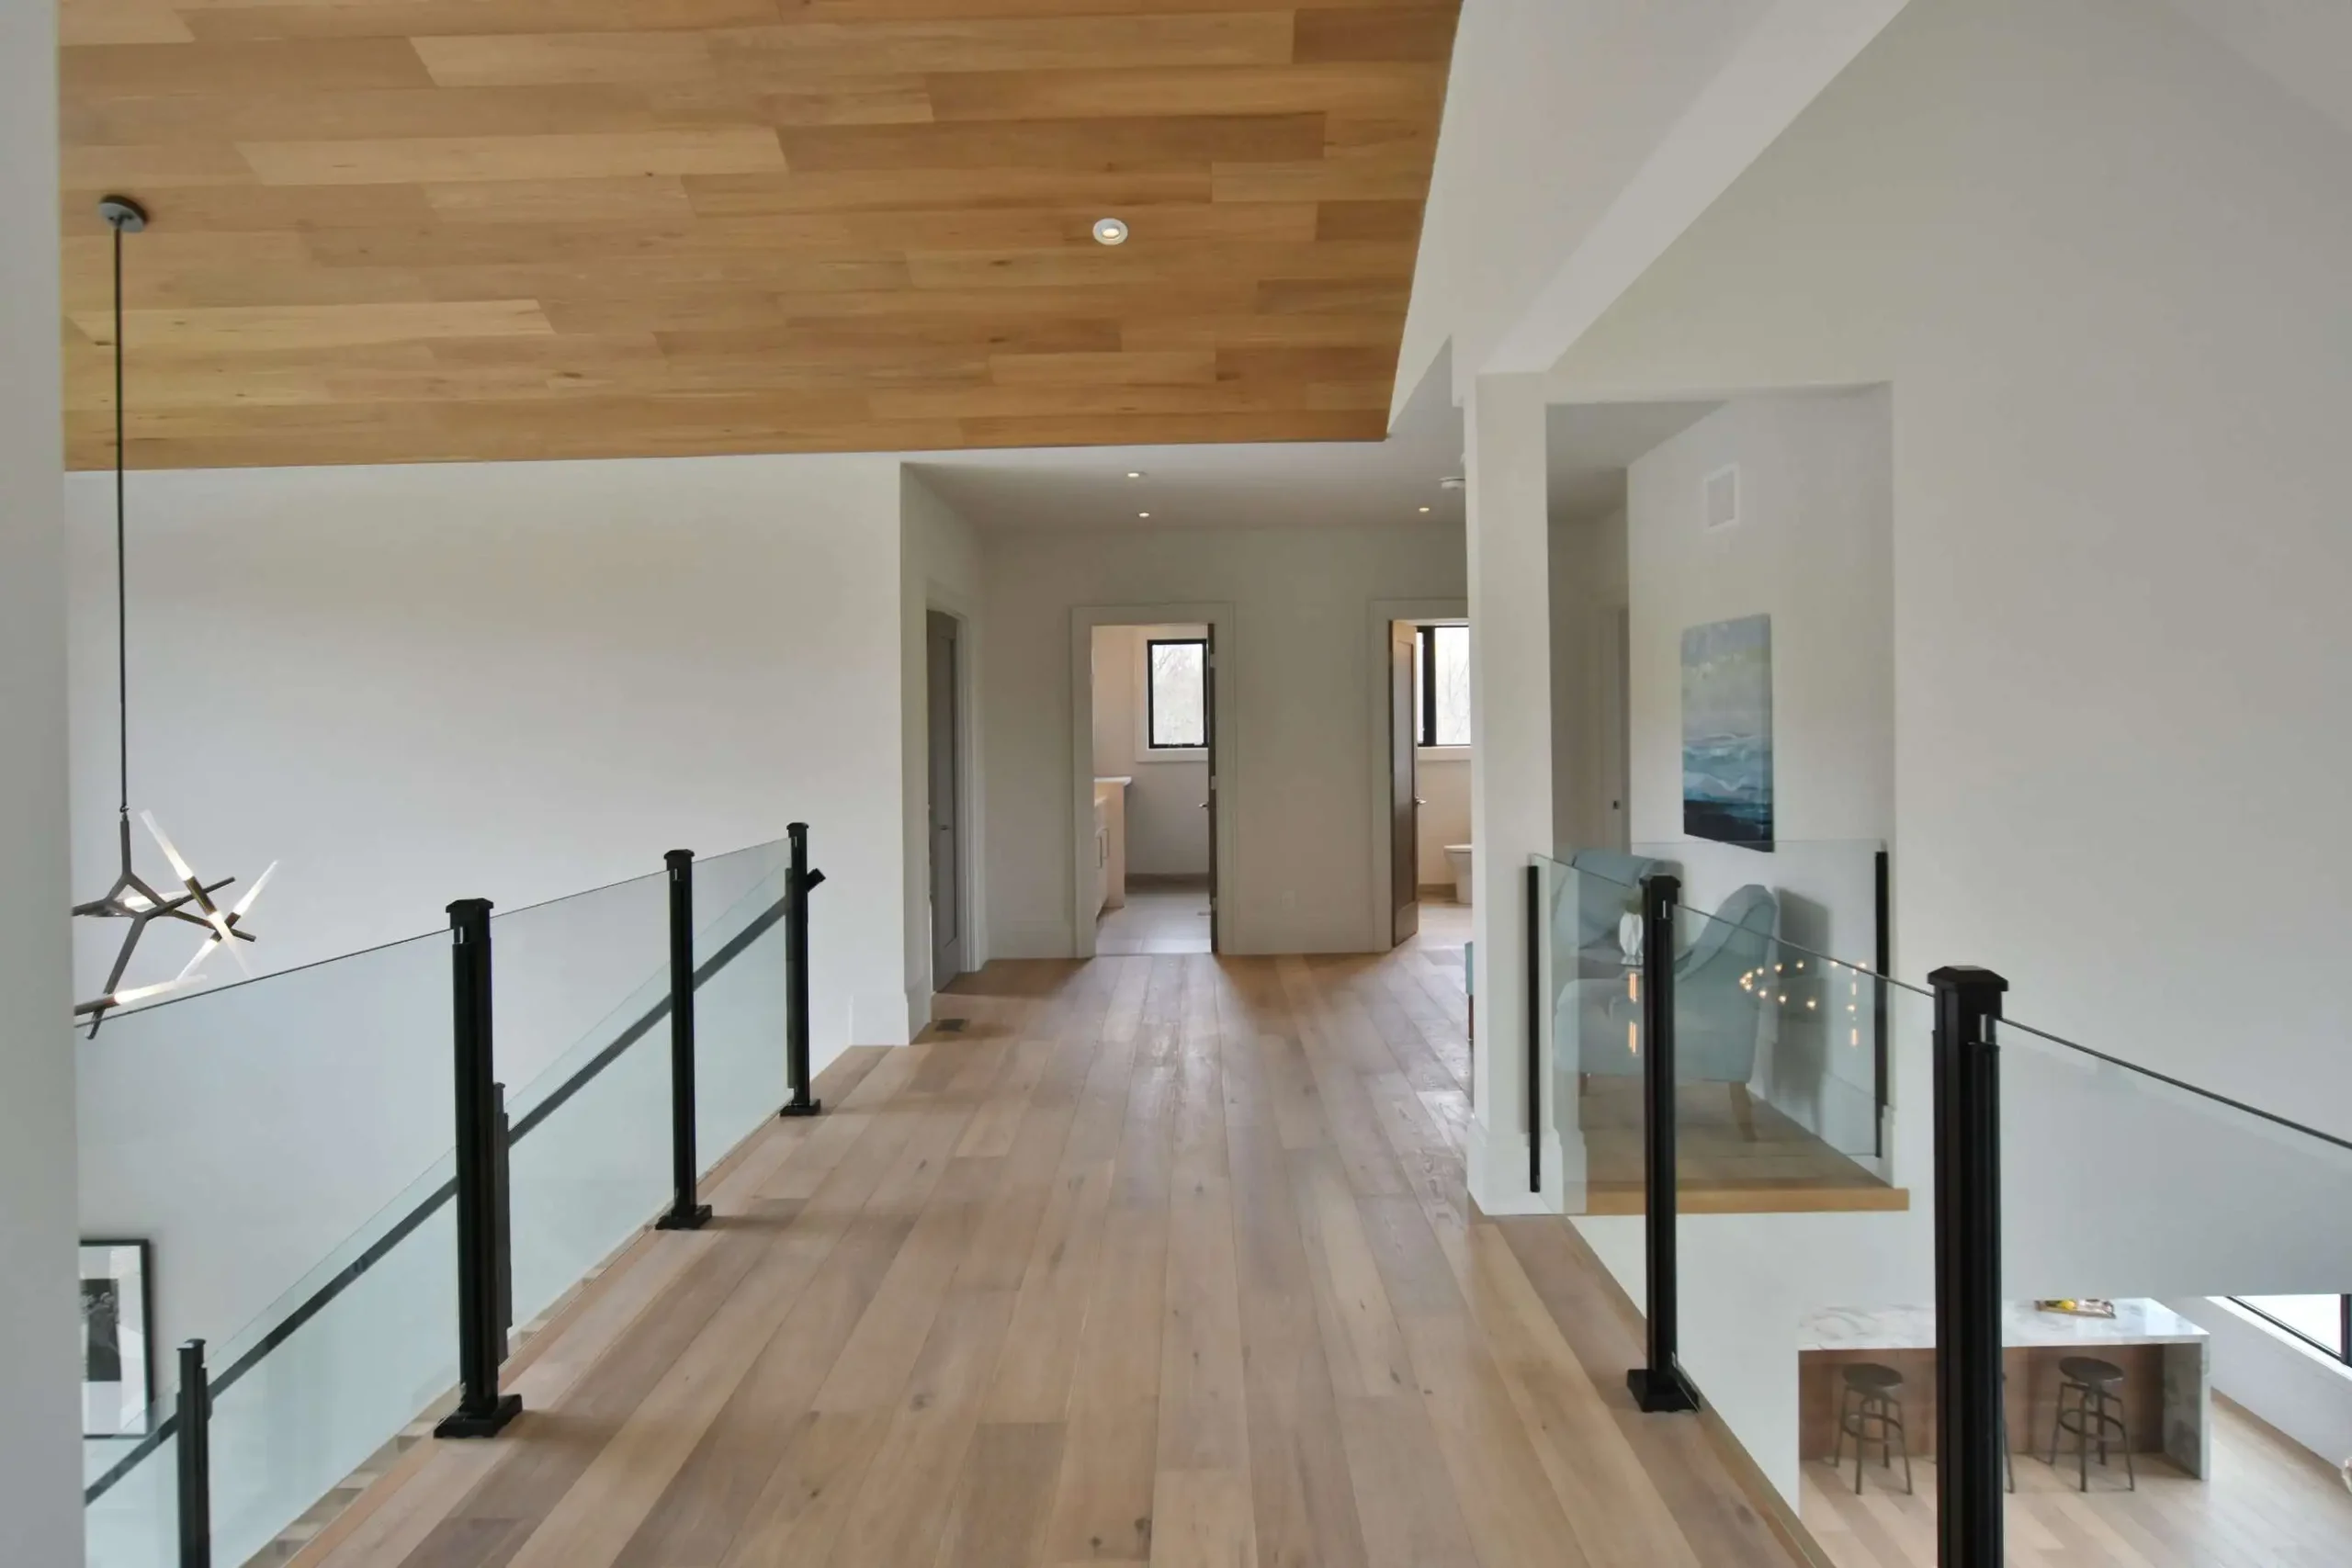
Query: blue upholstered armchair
[1720,1013]
[1588,907]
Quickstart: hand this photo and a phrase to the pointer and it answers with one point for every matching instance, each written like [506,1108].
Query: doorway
[1423,875]
[1153,859]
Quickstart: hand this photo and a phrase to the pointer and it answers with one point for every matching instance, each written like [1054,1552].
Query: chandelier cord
[122,562]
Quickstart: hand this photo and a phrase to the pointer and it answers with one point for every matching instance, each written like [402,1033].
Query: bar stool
[2090,1406]
[1869,1410]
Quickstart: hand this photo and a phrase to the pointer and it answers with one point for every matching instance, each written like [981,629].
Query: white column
[41,1490]
[1510,759]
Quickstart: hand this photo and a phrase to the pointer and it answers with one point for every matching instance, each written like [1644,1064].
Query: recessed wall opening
[1154,845]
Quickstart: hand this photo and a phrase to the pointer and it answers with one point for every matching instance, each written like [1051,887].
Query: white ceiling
[1265,485]
[1298,484]
[1591,445]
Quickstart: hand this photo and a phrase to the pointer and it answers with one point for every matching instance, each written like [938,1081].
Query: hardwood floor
[1160,1259]
[1158,918]
[2270,1504]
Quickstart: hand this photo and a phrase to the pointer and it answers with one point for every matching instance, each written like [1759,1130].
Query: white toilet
[1458,857]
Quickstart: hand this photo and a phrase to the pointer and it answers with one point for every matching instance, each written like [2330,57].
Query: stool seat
[2089,1371]
[1870,1377]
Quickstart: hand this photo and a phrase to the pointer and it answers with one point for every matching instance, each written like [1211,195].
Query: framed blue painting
[1727,731]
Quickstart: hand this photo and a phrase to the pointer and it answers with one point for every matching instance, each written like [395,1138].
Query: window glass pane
[1452,685]
[1177,712]
[2317,1318]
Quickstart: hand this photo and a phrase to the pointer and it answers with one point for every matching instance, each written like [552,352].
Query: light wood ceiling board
[299,115]
[121,21]
[720,150]
[408,230]
[232,328]
[633,201]
[986,42]
[888,190]
[236,20]
[1381,88]
[521,60]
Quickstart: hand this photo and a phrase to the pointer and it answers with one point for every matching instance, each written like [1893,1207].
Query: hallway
[1158,1260]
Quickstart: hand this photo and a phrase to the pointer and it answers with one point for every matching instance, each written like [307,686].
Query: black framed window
[1176,674]
[2322,1322]
[1441,686]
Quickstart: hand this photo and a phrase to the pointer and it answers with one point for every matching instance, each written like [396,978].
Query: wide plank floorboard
[1154,1260]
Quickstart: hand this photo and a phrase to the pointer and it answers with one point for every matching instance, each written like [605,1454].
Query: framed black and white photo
[117,1339]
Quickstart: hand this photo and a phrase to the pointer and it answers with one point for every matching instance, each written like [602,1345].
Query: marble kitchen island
[2166,1361]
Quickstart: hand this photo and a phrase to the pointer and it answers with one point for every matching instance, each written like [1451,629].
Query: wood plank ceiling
[399,230]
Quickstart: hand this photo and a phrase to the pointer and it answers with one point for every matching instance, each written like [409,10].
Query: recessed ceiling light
[1110,232]
[1135,473]
[1425,509]
[1143,514]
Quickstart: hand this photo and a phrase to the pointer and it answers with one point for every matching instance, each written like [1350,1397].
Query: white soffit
[1588,447]
[1231,485]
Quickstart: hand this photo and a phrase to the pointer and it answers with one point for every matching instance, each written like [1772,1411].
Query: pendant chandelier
[133,897]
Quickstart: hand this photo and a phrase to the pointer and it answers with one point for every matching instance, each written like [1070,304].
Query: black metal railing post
[1968,1268]
[1535,1029]
[685,1214]
[799,882]
[195,1452]
[1660,1385]
[481,1409]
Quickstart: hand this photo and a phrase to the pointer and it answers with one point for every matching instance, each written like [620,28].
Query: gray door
[947,828]
[1404,804]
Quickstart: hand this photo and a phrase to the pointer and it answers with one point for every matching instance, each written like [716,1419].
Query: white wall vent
[1719,492]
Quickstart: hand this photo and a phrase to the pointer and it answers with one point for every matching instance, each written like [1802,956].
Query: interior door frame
[1219,617]
[1377,616]
[959,744]
[970,806]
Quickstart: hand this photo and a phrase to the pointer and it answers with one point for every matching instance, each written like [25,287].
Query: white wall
[939,570]
[1442,774]
[1813,550]
[38,1300]
[508,680]
[2099,257]
[1589,602]
[1297,675]
[1168,833]
[513,681]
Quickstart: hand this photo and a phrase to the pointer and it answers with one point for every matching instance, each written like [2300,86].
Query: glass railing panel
[352,1349]
[307,1390]
[1805,1276]
[2142,1203]
[1827,898]
[591,1160]
[133,1522]
[569,975]
[248,1131]
[1588,1027]
[739,1009]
